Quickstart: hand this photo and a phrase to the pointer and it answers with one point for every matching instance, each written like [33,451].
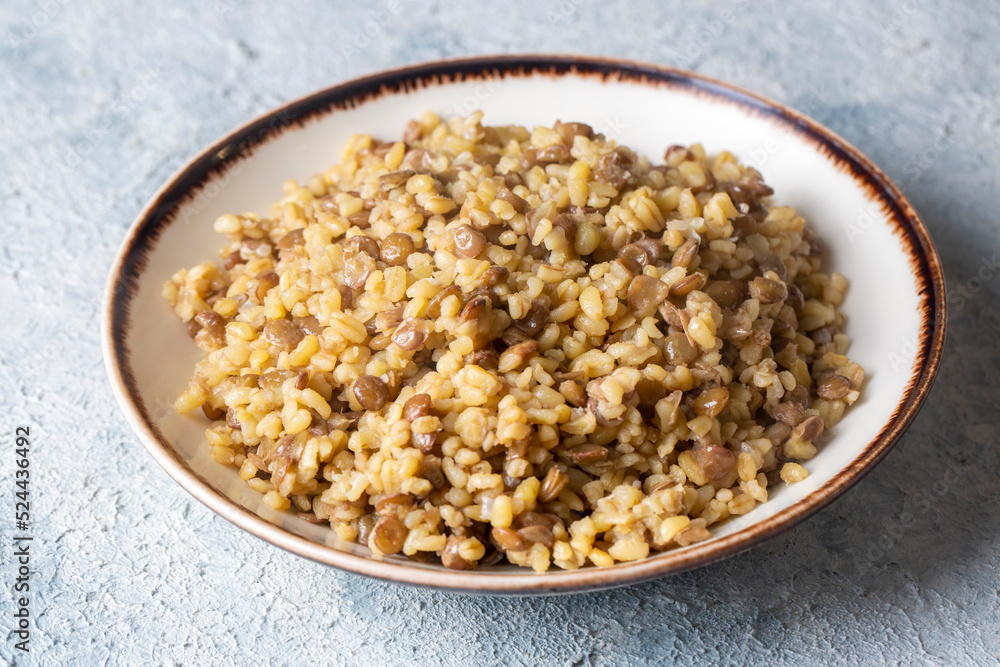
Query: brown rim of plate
[162,208]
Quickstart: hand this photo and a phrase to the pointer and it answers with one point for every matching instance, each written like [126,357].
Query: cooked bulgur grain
[491,342]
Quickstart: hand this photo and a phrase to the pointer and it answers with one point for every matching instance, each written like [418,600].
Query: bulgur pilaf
[481,343]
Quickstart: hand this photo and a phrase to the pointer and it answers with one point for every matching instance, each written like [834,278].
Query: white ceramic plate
[895,304]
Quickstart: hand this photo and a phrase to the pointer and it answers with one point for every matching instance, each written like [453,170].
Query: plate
[895,305]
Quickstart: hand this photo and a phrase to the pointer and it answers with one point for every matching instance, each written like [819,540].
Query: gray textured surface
[101,101]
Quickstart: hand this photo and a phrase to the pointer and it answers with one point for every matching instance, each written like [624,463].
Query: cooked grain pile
[487,342]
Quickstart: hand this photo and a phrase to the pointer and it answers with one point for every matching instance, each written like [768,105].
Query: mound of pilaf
[487,342]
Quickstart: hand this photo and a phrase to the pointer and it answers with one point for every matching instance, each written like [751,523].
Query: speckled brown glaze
[162,210]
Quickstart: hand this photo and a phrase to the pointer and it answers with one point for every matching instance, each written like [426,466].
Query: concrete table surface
[101,101]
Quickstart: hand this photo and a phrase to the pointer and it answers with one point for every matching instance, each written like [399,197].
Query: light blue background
[101,101]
